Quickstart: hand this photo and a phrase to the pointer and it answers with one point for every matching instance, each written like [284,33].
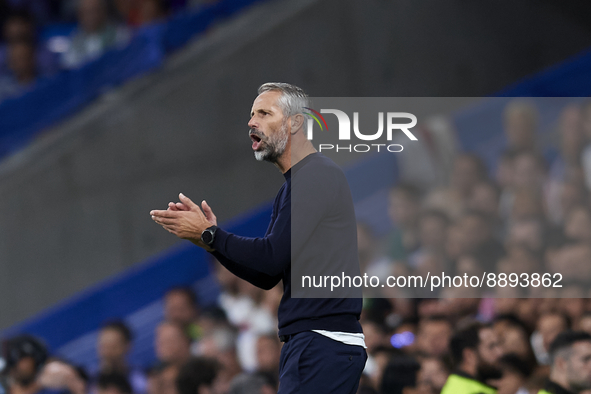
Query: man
[113,383]
[570,357]
[173,344]
[25,357]
[181,307]
[198,376]
[433,336]
[113,347]
[324,349]
[475,352]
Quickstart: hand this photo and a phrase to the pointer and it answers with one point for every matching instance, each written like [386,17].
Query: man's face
[549,327]
[433,337]
[112,346]
[179,309]
[268,128]
[579,366]
[24,371]
[171,344]
[489,352]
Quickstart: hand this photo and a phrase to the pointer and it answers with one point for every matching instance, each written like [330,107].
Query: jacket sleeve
[254,277]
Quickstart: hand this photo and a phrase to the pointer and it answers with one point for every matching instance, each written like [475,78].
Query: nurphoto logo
[392,120]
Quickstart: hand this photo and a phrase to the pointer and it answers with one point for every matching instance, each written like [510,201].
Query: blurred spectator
[432,229]
[251,384]
[20,27]
[22,67]
[577,224]
[468,171]
[198,376]
[433,336]
[475,352]
[375,368]
[515,374]
[59,375]
[584,323]
[173,345]
[25,357]
[268,353]
[114,344]
[95,34]
[181,307]
[479,238]
[570,355]
[521,123]
[432,375]
[252,310]
[167,378]
[485,198]
[514,338]
[152,11]
[529,232]
[549,325]
[113,383]
[221,346]
[399,375]
[568,163]
[403,209]
[371,260]
[427,161]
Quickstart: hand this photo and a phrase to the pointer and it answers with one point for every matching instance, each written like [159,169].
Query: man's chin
[261,155]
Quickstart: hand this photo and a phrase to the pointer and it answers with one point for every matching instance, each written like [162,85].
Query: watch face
[207,236]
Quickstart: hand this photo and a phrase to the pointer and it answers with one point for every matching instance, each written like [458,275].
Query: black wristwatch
[208,235]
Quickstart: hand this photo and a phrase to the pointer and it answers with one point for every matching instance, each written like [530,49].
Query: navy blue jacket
[324,220]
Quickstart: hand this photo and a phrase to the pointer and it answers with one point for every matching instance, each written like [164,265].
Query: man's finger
[208,212]
[162,220]
[164,214]
[182,207]
[172,206]
[187,201]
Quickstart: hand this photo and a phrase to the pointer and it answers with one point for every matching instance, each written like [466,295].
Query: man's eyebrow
[261,110]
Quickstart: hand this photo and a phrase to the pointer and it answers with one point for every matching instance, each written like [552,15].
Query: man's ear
[297,122]
[560,363]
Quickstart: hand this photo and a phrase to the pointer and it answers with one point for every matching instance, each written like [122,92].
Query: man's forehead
[487,333]
[266,100]
[582,347]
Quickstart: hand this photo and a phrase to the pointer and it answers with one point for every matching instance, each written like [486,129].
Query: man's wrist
[208,236]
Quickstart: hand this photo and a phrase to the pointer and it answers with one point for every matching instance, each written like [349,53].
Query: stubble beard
[274,146]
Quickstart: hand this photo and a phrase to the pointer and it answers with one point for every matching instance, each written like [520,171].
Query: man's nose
[252,124]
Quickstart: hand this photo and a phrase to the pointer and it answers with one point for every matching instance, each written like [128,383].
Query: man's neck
[293,155]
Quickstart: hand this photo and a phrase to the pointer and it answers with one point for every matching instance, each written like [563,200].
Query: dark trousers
[313,363]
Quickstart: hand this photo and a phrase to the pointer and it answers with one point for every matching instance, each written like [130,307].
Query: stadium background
[88,152]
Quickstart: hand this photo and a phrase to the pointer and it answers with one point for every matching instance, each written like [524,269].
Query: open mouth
[256,141]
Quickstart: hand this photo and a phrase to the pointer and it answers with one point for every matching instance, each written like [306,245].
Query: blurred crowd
[529,212]
[41,37]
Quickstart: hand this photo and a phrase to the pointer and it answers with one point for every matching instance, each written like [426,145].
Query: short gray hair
[293,100]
